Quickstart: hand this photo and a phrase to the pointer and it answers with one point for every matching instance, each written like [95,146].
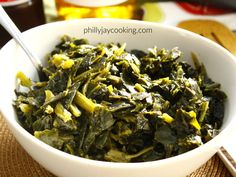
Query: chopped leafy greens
[104,103]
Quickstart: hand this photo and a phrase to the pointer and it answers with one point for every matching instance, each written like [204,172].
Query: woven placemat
[15,162]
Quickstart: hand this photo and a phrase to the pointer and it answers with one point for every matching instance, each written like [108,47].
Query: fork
[11,28]
[213,30]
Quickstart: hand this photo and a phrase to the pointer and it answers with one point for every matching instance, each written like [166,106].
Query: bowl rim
[20,130]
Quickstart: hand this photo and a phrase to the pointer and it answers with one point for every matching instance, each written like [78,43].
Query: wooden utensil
[213,30]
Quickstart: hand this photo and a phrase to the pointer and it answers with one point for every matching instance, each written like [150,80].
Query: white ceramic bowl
[220,64]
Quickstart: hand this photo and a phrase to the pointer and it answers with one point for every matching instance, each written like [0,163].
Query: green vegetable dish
[104,103]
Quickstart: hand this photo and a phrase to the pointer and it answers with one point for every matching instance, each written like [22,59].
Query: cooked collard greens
[104,103]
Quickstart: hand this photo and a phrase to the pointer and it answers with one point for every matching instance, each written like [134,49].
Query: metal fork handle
[11,28]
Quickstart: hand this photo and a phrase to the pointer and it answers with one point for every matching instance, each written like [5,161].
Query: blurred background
[30,13]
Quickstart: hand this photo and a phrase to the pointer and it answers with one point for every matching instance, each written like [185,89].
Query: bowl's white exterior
[220,64]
